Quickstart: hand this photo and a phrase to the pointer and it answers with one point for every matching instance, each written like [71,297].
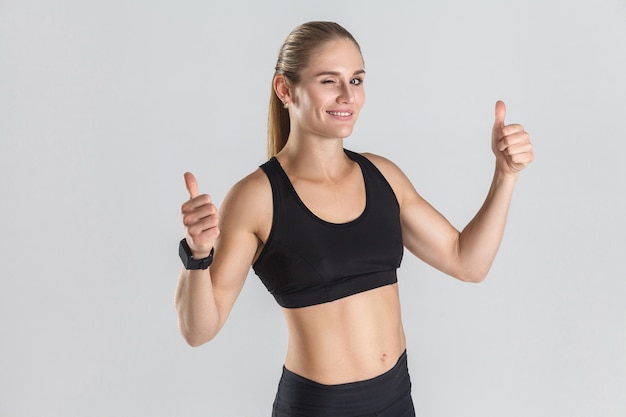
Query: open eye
[356,81]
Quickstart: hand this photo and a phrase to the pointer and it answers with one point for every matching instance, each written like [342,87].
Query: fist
[510,143]
[200,218]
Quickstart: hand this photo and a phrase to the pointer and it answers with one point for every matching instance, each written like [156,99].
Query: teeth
[338,113]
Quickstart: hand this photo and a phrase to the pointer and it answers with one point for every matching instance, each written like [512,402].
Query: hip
[386,395]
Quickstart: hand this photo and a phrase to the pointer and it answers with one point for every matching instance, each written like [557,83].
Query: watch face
[184,251]
[185,255]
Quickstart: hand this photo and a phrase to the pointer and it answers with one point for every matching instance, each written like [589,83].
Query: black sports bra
[308,261]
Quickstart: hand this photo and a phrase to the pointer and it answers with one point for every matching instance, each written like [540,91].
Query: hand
[200,218]
[510,143]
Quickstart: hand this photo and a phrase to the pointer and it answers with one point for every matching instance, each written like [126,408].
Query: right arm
[204,298]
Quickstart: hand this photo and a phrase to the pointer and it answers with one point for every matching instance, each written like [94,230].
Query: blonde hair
[293,57]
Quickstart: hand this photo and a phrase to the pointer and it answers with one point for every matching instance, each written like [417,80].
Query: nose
[346,95]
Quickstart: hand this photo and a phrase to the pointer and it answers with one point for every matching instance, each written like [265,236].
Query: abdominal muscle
[351,339]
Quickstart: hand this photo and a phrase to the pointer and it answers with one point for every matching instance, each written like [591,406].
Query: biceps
[429,235]
[234,251]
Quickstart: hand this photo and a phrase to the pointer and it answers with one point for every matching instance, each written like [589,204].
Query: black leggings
[387,395]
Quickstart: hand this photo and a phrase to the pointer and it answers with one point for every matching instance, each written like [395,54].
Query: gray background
[104,105]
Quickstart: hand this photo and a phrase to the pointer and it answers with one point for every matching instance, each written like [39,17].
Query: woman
[324,228]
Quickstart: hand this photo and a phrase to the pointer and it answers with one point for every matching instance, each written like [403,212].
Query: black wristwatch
[188,260]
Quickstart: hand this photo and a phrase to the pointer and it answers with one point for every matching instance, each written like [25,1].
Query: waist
[386,377]
[351,339]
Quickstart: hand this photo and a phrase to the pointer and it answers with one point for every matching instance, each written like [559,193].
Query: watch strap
[190,263]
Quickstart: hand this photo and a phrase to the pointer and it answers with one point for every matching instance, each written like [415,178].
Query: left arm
[465,255]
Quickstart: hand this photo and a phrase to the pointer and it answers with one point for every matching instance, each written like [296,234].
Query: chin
[335,132]
[343,133]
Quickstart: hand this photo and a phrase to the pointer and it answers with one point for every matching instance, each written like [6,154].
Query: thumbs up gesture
[200,218]
[510,143]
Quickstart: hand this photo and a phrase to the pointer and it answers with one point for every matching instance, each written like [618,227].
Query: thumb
[500,113]
[192,185]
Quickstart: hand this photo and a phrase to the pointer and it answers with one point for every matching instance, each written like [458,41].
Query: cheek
[321,97]
[359,98]
[309,98]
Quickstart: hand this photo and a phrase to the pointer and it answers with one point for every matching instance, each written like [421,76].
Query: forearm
[198,315]
[479,241]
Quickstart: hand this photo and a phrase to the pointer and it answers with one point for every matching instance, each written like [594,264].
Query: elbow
[195,340]
[472,272]
[196,332]
[196,335]
[474,277]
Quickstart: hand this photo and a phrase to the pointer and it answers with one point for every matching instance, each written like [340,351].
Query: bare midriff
[351,339]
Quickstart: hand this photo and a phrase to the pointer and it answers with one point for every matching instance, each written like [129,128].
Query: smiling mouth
[340,113]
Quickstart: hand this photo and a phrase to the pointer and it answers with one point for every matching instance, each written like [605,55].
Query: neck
[313,156]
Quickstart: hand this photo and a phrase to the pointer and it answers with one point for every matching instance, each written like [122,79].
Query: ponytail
[277,125]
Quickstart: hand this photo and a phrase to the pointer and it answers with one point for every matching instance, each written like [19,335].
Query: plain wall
[104,105]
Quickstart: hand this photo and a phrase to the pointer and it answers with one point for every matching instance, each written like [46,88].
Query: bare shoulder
[248,198]
[383,164]
[251,185]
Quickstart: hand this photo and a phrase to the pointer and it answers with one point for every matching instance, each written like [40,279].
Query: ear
[282,88]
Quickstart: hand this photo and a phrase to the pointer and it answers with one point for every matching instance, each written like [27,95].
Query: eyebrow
[336,73]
